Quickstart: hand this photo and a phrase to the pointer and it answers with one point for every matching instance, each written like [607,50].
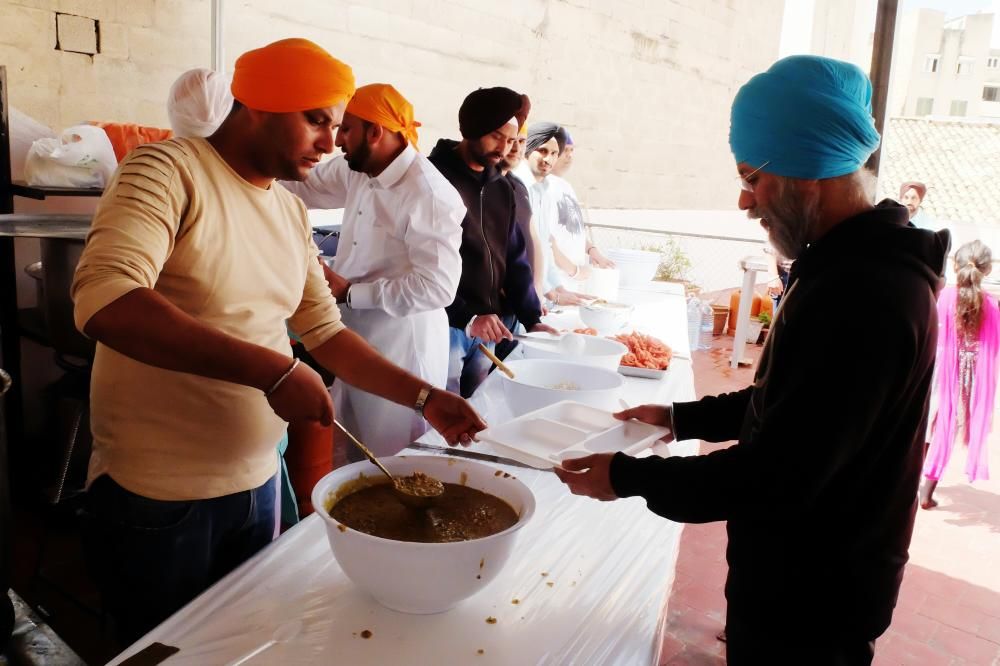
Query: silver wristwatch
[425,393]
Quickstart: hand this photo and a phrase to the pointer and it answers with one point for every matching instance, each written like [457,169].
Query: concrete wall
[925,32]
[644,85]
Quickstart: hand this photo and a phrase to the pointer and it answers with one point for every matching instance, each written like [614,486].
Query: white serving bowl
[534,381]
[599,352]
[606,318]
[636,267]
[424,578]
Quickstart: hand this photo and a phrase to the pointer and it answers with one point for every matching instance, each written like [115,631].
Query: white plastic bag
[82,156]
[24,131]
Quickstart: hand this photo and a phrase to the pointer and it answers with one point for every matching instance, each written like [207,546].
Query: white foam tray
[546,437]
[646,373]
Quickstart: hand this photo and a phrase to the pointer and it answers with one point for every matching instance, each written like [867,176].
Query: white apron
[417,343]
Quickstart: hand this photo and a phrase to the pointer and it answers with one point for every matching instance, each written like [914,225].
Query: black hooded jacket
[496,275]
[820,490]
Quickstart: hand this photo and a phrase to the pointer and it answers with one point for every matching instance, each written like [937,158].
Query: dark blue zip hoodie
[496,275]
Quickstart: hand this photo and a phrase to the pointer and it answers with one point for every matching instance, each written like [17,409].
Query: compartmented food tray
[546,437]
[647,373]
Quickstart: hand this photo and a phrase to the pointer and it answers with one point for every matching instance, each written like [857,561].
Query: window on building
[931,63]
[958,107]
[925,105]
[991,93]
[993,62]
[964,66]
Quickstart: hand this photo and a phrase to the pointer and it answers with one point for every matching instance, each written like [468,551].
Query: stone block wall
[643,85]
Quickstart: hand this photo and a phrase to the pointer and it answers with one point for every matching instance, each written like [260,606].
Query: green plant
[674,263]
[765,317]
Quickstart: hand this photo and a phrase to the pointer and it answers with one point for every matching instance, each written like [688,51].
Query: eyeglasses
[745,183]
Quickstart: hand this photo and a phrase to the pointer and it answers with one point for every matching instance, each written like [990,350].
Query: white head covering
[198,102]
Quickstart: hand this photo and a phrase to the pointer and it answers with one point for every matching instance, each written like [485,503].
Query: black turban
[540,133]
[489,109]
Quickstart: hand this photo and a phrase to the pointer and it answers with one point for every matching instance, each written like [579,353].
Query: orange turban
[382,104]
[291,75]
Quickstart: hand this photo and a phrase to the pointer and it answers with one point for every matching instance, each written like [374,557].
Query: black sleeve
[519,284]
[459,315]
[714,418]
[822,400]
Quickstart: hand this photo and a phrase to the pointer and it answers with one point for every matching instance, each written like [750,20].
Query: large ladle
[415,496]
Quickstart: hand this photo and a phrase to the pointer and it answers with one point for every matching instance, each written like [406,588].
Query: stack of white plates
[636,267]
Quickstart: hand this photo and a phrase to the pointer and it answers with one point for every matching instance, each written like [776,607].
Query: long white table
[610,564]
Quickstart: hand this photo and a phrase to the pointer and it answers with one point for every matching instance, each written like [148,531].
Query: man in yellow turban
[195,261]
[397,263]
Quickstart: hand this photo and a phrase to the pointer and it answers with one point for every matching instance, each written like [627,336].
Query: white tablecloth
[610,564]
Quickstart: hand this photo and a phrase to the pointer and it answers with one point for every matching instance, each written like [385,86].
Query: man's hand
[598,259]
[563,296]
[490,329]
[658,415]
[543,328]
[302,397]
[453,417]
[590,476]
[338,283]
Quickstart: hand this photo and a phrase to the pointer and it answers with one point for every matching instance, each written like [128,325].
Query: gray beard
[790,219]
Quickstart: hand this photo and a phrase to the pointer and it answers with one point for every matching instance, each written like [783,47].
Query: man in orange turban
[195,264]
[397,263]
[291,75]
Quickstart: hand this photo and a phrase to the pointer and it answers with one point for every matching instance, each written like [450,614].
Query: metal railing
[708,261]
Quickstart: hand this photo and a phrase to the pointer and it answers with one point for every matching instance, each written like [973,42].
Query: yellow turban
[291,75]
[382,104]
[523,132]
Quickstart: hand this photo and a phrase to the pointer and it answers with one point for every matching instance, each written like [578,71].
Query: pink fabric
[981,409]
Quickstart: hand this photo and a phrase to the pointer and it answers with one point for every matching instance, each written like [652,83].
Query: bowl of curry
[422,560]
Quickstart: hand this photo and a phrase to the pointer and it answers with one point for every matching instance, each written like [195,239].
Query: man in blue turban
[819,491]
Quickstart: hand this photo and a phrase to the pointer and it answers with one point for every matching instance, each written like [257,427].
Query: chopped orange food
[644,351]
[585,331]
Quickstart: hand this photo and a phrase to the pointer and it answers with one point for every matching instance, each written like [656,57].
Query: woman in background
[968,341]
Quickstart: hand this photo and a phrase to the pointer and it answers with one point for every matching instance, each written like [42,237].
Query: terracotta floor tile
[990,629]
[966,646]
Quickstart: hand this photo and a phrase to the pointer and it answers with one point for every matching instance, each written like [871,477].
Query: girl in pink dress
[967,346]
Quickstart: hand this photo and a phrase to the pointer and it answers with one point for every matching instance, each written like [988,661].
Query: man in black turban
[541,133]
[486,110]
[497,287]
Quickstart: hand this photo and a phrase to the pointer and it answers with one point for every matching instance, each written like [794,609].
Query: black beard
[357,160]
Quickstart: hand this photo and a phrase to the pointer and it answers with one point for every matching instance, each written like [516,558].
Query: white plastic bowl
[535,381]
[424,578]
[609,318]
[636,267]
[599,352]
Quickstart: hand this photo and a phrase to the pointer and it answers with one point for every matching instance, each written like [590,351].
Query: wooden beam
[885,30]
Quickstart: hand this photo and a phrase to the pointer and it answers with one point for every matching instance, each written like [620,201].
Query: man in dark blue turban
[819,491]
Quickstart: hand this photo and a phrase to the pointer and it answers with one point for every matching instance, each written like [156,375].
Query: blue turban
[807,117]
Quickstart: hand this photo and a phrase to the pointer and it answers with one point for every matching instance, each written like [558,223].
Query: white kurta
[399,250]
[544,215]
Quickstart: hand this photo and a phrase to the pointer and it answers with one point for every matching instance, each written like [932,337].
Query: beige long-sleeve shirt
[176,218]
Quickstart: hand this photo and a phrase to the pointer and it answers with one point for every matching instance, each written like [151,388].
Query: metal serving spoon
[413,495]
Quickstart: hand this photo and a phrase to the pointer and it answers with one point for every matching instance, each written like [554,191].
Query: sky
[796,29]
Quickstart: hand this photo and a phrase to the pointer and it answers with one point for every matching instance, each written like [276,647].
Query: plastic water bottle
[707,321]
[694,322]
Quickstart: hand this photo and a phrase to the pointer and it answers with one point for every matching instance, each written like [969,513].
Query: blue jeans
[467,365]
[151,557]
